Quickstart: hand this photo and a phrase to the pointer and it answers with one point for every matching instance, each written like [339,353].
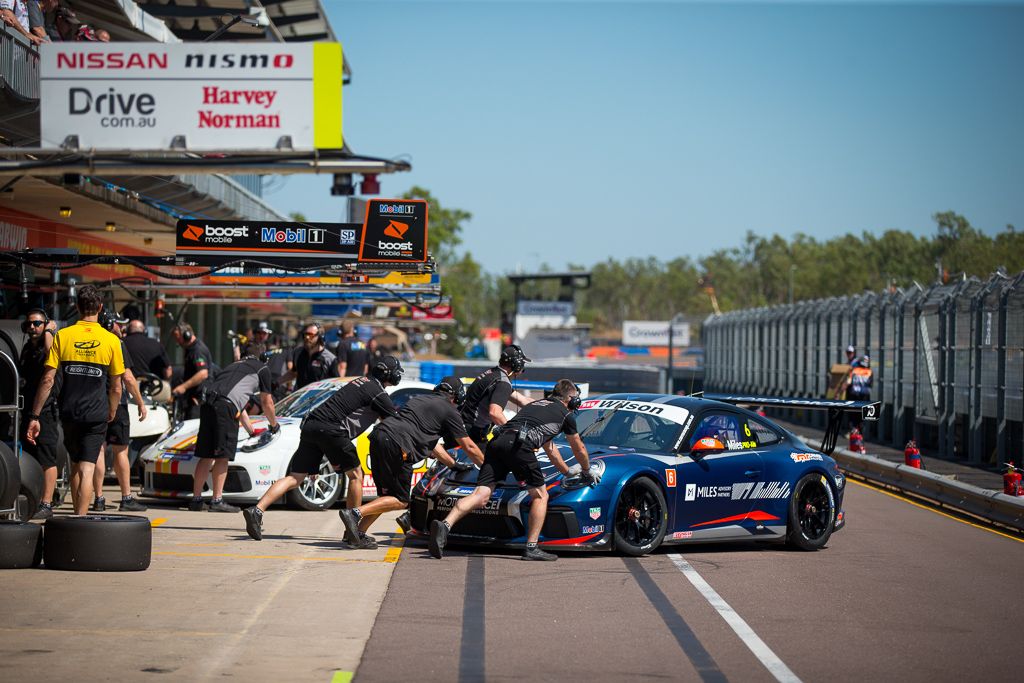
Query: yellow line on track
[158,521]
[341,677]
[297,558]
[395,551]
[931,509]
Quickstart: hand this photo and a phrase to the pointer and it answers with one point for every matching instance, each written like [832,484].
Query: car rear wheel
[812,513]
[320,493]
[641,517]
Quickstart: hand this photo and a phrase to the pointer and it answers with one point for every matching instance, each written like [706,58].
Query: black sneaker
[405,521]
[196,504]
[253,522]
[365,542]
[351,521]
[536,553]
[43,512]
[438,538]
[129,504]
[221,506]
[99,505]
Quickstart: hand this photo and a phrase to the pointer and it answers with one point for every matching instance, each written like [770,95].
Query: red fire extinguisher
[912,455]
[857,441]
[1012,481]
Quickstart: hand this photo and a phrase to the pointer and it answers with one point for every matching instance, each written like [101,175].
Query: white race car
[260,461]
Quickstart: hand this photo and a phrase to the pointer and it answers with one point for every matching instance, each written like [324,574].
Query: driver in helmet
[402,441]
[328,431]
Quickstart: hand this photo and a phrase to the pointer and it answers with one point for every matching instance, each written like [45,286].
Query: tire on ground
[10,477]
[21,545]
[624,545]
[99,543]
[812,539]
[32,483]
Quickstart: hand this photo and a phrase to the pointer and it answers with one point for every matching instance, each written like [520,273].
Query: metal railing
[948,360]
[19,65]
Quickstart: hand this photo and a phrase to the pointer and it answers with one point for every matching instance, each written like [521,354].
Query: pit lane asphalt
[902,593]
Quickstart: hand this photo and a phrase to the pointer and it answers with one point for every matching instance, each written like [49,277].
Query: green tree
[297,217]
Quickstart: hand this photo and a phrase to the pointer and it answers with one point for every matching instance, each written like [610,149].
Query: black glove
[460,466]
[276,428]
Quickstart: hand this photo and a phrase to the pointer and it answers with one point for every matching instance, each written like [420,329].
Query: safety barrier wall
[948,360]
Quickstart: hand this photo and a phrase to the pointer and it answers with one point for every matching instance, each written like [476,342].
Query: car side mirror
[706,446]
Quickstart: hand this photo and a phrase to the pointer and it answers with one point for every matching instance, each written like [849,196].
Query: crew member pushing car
[223,406]
[491,391]
[400,442]
[328,431]
[31,365]
[513,450]
[91,364]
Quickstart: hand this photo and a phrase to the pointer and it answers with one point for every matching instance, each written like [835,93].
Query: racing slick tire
[641,517]
[21,544]
[32,484]
[812,513]
[320,493]
[10,477]
[98,543]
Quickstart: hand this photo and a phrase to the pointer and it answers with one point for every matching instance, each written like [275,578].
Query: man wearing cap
[491,391]
[400,442]
[118,435]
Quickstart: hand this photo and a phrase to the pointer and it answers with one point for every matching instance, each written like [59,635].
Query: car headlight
[596,466]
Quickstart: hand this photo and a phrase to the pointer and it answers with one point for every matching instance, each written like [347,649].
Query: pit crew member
[313,362]
[513,450]
[328,431]
[198,366]
[352,352]
[31,364]
[91,364]
[224,404]
[491,391]
[148,355]
[402,441]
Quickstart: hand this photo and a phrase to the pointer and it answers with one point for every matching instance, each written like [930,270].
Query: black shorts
[391,467]
[317,440]
[218,430]
[45,448]
[118,430]
[503,456]
[83,440]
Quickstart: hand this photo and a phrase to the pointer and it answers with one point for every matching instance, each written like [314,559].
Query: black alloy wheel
[812,512]
[641,517]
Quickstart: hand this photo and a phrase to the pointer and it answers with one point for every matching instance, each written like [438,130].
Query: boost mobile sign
[218,96]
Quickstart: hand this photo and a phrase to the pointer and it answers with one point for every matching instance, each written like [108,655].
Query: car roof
[338,382]
[690,403]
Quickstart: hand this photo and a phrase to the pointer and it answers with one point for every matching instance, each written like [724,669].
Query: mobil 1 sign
[394,230]
[654,333]
[215,96]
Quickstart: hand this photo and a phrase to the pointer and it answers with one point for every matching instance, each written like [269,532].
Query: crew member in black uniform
[328,431]
[31,364]
[148,355]
[198,368]
[119,429]
[400,442]
[225,401]
[91,364]
[313,362]
[353,353]
[513,450]
[491,391]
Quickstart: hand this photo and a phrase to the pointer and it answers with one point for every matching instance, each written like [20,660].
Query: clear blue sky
[574,131]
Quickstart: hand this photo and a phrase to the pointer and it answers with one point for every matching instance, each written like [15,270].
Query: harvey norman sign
[654,333]
[218,96]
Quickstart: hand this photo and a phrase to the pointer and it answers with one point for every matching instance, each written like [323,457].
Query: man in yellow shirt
[91,363]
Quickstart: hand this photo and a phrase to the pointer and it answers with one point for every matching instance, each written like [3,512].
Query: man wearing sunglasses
[31,364]
[313,362]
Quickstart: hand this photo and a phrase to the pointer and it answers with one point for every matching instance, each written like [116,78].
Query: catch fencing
[948,360]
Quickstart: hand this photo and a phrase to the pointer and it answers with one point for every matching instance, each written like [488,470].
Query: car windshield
[299,403]
[628,429]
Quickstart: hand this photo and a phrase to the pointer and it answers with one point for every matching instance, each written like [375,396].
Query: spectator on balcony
[102,35]
[15,14]
[37,11]
[64,25]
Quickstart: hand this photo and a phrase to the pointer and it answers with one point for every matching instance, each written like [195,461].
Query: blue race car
[673,470]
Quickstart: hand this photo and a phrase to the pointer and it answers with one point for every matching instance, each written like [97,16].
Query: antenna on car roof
[697,394]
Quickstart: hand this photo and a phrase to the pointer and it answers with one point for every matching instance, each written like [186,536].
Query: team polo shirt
[85,355]
[541,421]
[490,386]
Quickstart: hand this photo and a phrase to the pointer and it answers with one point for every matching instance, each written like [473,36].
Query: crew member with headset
[224,402]
[400,442]
[91,364]
[119,429]
[491,391]
[513,450]
[328,431]
[313,362]
[198,367]
[352,352]
[31,365]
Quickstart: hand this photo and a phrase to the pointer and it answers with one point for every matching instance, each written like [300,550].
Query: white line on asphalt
[760,649]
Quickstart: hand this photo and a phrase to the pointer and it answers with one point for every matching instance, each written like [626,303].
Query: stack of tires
[104,543]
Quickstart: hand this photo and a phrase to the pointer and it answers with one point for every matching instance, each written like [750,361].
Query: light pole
[670,384]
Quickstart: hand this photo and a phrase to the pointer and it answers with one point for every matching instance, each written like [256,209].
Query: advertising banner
[218,96]
[654,333]
[214,242]
[395,230]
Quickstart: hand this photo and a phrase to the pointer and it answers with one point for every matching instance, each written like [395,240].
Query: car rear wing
[868,410]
